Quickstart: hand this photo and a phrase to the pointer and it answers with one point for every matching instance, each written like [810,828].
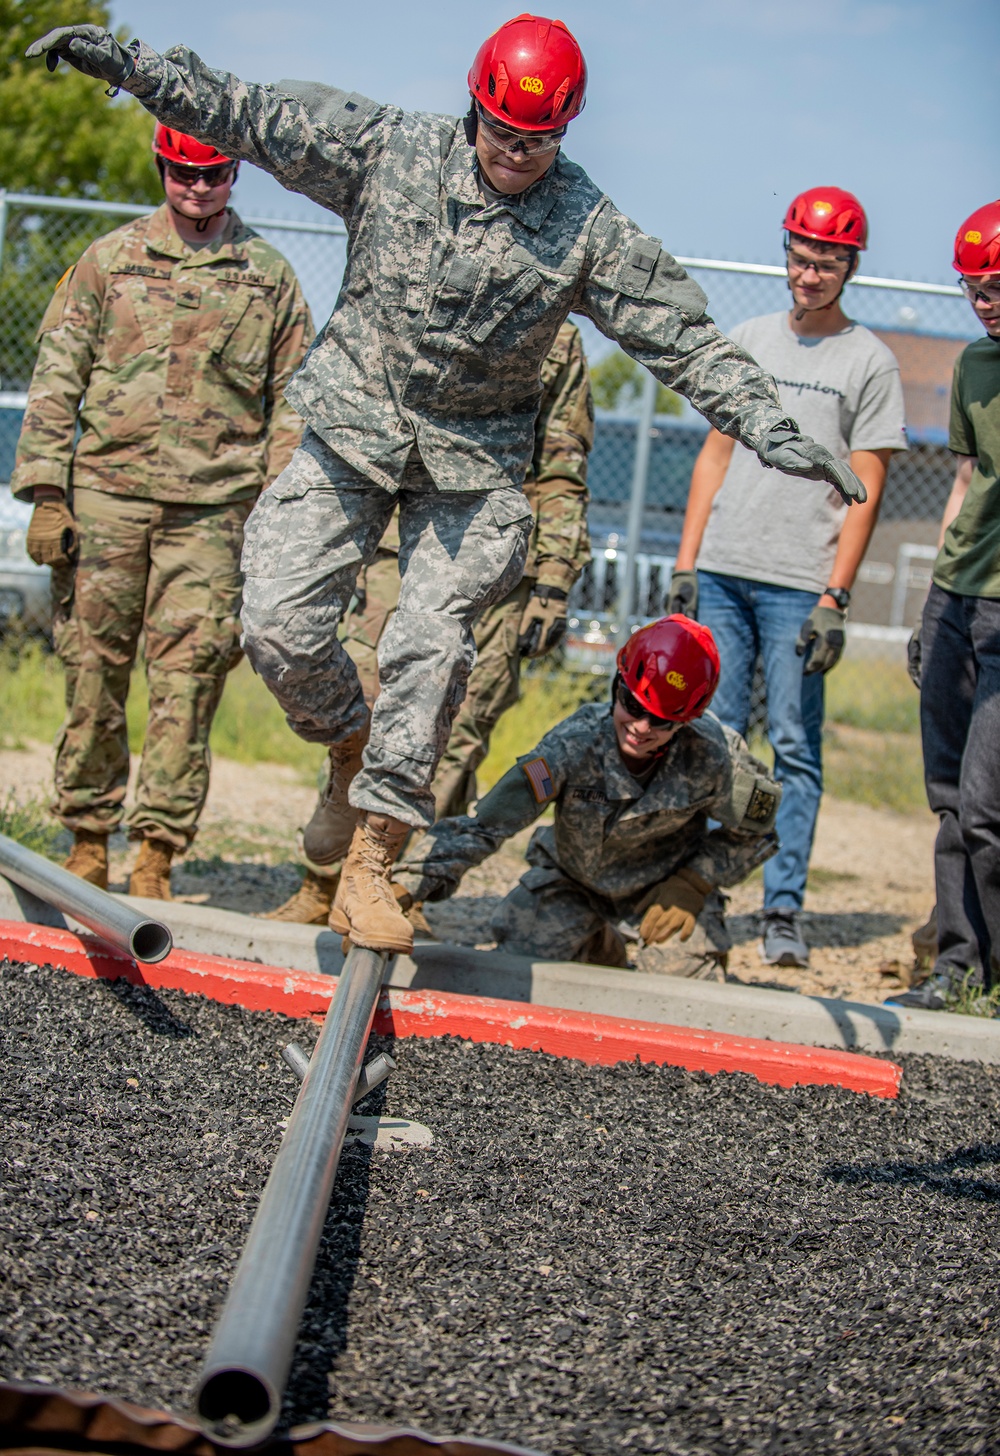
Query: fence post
[3,222]
[637,503]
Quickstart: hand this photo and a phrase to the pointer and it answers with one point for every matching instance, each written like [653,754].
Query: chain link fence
[926,325]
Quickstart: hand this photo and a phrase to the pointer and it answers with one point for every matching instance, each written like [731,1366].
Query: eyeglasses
[188,176]
[826,267]
[533,143]
[978,292]
[635,709]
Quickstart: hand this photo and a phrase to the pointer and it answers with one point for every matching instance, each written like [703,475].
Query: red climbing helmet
[176,146]
[977,244]
[672,667]
[830,215]
[530,74]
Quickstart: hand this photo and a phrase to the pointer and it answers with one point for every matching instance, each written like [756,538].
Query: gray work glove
[52,538]
[90,48]
[682,594]
[543,622]
[914,657]
[794,454]
[821,636]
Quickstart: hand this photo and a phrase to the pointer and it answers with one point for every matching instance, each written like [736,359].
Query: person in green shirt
[959,650]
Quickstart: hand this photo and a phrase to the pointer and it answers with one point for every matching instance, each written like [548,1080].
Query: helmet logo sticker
[676,680]
[822,208]
[533,84]
[973,236]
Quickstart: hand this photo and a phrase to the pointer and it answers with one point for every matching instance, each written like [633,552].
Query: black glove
[543,622]
[90,48]
[822,637]
[915,657]
[794,454]
[682,594]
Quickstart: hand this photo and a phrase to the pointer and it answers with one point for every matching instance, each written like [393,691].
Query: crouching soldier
[631,852]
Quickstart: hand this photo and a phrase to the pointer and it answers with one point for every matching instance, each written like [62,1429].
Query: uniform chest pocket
[511,297]
[404,266]
[137,315]
[240,340]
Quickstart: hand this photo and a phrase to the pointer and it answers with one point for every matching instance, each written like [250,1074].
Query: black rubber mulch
[588,1260]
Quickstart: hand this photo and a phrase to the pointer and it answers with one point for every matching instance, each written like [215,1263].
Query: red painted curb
[596,1040]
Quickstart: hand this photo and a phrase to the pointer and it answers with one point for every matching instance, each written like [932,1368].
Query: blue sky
[703,119]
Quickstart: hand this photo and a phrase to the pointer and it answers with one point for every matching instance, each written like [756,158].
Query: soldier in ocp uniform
[530,621]
[630,854]
[170,342]
[469,242]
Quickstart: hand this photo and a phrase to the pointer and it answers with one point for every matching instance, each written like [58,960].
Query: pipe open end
[237,1408]
[150,942]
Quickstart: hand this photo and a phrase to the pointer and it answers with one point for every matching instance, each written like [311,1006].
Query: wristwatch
[840,595]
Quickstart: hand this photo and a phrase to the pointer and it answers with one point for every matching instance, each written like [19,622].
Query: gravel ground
[588,1260]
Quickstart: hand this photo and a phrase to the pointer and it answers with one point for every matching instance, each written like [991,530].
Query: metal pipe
[637,504]
[239,1394]
[372,1074]
[143,939]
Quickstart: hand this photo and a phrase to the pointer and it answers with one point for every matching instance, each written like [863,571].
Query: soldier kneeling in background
[631,852]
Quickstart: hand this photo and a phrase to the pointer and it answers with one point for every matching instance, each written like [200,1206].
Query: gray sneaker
[782,943]
[930,995]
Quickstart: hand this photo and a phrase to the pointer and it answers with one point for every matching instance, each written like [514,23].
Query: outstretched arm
[433,868]
[640,296]
[315,139]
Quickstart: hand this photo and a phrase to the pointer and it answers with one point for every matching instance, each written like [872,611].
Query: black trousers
[960,729]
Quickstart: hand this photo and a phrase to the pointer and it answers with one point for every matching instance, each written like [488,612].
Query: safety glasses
[831,267]
[188,176]
[533,143]
[635,709]
[978,291]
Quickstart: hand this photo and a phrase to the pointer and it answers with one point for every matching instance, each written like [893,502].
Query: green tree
[60,136]
[617,384]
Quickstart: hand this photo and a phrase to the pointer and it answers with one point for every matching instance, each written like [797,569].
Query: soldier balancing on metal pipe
[657,806]
[528,622]
[469,242]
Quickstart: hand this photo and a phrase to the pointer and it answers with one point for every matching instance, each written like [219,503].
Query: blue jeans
[751,617]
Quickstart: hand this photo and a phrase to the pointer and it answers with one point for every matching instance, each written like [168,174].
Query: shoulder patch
[536,771]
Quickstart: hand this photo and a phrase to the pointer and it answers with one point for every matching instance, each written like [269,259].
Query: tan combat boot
[365,907]
[89,858]
[310,905]
[327,836]
[151,876]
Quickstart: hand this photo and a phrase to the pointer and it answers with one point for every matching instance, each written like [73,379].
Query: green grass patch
[969,999]
[885,770]
[28,822]
[871,693]
[31,693]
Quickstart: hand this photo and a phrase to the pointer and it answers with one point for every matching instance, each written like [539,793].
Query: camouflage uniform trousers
[311,531]
[171,573]
[549,916]
[494,684]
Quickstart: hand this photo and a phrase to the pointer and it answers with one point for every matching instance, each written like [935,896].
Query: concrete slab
[740,1010]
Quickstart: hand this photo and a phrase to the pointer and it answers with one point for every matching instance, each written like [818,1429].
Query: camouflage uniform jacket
[613,835]
[180,357]
[449,305]
[556,486]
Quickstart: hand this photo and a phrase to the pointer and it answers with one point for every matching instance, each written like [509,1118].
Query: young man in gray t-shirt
[776,560]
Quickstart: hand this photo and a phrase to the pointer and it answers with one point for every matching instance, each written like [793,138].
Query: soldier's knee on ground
[704,957]
[604,948]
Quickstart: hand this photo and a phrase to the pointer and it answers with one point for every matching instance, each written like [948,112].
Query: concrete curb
[595,1040]
[735,1009]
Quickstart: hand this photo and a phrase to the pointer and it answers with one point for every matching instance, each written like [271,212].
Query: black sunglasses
[635,709]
